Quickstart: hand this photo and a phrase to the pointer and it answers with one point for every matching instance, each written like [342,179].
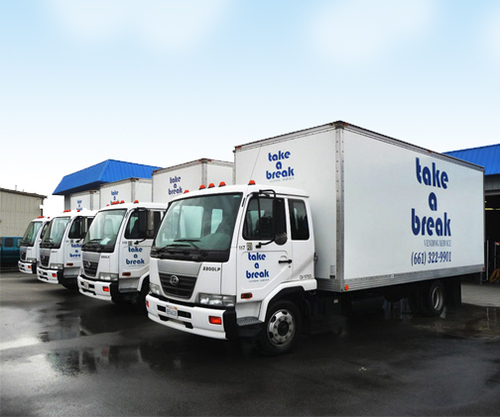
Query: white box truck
[172,181]
[60,249]
[338,214]
[127,191]
[29,251]
[89,200]
[116,252]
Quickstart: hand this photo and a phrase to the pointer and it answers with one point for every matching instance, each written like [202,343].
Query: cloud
[357,31]
[167,24]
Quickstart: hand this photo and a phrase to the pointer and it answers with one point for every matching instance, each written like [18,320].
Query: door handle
[285,261]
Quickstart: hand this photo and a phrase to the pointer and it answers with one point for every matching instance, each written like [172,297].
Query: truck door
[265,253]
[136,244]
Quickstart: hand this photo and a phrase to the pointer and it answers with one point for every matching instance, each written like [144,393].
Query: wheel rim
[437,298]
[281,328]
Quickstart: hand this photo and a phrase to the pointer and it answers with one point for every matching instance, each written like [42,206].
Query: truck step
[248,321]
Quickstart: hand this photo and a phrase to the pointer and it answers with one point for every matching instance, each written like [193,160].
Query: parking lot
[69,355]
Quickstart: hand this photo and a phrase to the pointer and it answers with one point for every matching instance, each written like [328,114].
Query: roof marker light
[186,191]
[251,182]
[211,185]
[202,187]
[136,201]
[222,184]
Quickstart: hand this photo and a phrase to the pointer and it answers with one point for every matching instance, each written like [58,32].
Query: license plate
[171,311]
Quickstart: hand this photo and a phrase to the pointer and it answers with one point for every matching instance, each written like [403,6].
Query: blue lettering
[256,256]
[257,274]
[429,225]
[135,261]
[432,177]
[175,190]
[134,249]
[278,156]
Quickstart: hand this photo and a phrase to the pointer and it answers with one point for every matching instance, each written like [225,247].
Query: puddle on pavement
[466,321]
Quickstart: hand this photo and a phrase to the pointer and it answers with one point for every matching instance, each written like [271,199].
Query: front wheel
[281,329]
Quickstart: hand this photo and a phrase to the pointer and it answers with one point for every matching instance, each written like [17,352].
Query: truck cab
[116,252]
[60,249]
[30,245]
[227,261]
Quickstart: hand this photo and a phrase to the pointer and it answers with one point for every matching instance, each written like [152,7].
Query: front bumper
[192,319]
[101,290]
[51,276]
[26,267]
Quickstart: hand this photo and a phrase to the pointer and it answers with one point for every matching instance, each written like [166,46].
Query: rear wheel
[428,299]
[282,328]
[433,303]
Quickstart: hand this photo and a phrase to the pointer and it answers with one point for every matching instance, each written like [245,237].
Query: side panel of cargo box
[408,214]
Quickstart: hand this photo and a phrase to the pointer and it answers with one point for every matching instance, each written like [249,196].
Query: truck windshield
[198,228]
[54,234]
[103,231]
[30,234]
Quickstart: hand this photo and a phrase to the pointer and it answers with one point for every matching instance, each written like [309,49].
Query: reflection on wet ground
[95,358]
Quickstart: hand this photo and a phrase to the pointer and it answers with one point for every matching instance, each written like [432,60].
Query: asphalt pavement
[64,354]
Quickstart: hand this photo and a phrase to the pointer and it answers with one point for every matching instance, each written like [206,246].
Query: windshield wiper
[190,241]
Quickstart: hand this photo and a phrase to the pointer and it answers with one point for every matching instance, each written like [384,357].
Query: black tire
[140,301]
[433,301]
[281,330]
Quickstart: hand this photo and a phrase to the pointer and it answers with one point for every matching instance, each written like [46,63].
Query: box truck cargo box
[318,219]
[89,200]
[173,181]
[126,191]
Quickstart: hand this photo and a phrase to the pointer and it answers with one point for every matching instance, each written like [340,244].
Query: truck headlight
[108,276]
[56,266]
[217,300]
[155,288]
[31,260]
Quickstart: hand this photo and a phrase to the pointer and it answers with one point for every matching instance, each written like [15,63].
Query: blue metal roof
[94,176]
[485,156]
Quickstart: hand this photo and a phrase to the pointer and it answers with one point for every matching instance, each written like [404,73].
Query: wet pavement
[66,354]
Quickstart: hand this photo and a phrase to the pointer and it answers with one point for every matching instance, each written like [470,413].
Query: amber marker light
[215,320]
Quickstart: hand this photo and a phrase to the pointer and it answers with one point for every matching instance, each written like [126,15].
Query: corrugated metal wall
[16,211]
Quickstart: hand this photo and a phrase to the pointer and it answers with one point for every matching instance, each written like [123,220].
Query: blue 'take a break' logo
[280,171]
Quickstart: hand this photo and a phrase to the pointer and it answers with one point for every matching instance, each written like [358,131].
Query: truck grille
[44,260]
[177,285]
[90,268]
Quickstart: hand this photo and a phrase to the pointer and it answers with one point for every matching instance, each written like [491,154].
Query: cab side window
[298,220]
[265,216]
[137,225]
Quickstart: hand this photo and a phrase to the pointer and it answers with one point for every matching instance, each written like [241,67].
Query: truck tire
[282,328]
[433,300]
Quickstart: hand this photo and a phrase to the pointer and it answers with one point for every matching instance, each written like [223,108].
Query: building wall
[17,209]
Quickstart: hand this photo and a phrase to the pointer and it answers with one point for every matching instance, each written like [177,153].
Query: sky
[162,82]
